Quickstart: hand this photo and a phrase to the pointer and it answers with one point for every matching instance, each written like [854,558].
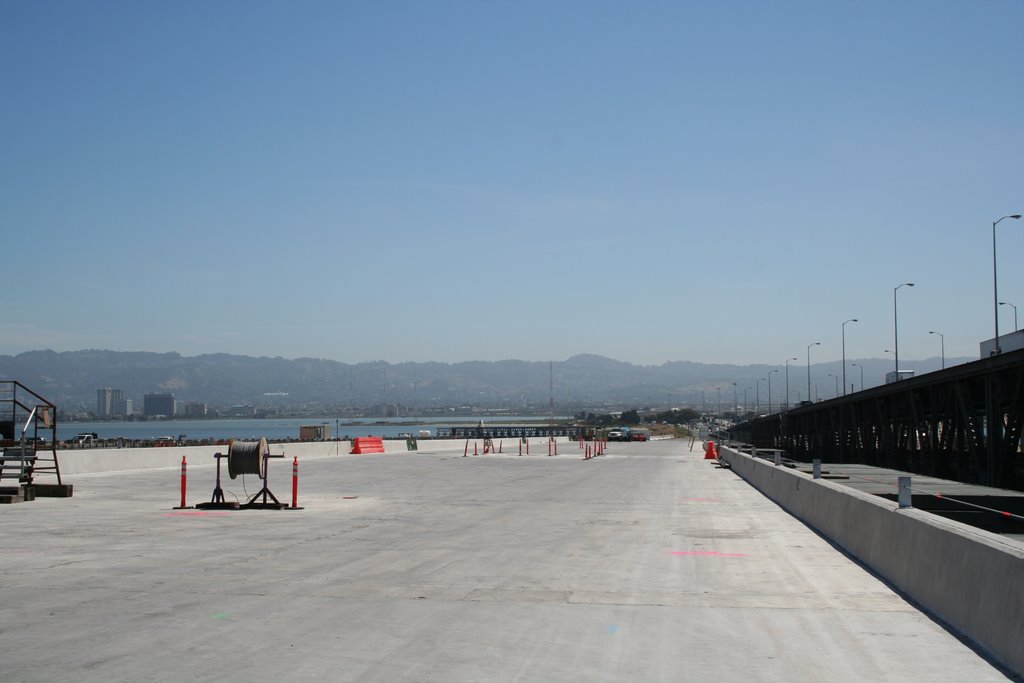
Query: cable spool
[248,457]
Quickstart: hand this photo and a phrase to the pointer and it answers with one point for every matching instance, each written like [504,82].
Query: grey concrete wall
[92,460]
[971,579]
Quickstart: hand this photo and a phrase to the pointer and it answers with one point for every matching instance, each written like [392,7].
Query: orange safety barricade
[710,451]
[368,444]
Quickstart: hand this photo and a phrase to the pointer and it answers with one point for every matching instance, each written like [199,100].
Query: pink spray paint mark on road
[707,553]
[196,513]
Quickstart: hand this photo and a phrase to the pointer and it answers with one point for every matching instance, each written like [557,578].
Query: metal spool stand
[246,457]
[218,502]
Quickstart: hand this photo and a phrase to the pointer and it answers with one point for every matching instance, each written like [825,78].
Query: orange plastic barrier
[368,444]
[710,451]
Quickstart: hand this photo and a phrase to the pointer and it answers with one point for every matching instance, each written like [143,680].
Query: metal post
[942,344]
[851,320]
[817,468]
[995,281]
[787,379]
[895,327]
[809,368]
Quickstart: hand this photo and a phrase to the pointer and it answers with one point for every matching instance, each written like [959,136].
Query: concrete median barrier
[970,579]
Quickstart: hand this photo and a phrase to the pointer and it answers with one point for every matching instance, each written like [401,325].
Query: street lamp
[809,368]
[836,377]
[746,409]
[735,408]
[787,379]
[770,389]
[851,320]
[861,374]
[942,341]
[995,281]
[757,395]
[1007,303]
[896,327]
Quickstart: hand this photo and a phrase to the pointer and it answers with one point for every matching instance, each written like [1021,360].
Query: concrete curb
[970,579]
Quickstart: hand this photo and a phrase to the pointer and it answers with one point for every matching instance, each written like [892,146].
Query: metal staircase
[28,437]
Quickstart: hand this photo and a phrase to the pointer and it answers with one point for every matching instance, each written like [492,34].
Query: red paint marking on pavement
[707,553]
[197,513]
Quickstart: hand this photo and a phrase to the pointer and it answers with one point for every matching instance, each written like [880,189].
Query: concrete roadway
[647,564]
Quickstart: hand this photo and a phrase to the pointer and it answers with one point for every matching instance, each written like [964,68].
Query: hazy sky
[413,181]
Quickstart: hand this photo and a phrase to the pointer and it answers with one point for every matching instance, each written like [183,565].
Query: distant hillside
[71,379]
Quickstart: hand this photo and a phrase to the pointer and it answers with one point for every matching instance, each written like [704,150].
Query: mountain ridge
[71,378]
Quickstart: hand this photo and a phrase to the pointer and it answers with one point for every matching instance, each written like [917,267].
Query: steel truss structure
[962,423]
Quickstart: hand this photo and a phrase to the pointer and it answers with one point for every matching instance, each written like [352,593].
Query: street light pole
[942,341]
[757,394]
[735,408]
[861,374]
[770,389]
[787,379]
[836,378]
[995,280]
[809,368]
[1007,303]
[851,320]
[746,408]
[896,327]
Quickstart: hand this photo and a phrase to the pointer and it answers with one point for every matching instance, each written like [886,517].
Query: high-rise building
[196,410]
[158,404]
[109,402]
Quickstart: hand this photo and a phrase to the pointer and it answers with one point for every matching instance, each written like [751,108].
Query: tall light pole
[757,394]
[851,320]
[770,389]
[1007,303]
[896,327]
[942,341]
[746,409]
[787,379]
[861,374]
[735,408]
[995,280]
[809,368]
[836,378]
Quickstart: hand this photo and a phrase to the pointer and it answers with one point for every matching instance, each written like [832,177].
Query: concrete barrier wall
[971,579]
[93,460]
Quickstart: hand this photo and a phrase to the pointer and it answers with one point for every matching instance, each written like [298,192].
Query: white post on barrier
[778,458]
[905,499]
[753,452]
[817,469]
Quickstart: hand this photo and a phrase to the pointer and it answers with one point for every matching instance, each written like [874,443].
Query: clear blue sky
[414,181]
